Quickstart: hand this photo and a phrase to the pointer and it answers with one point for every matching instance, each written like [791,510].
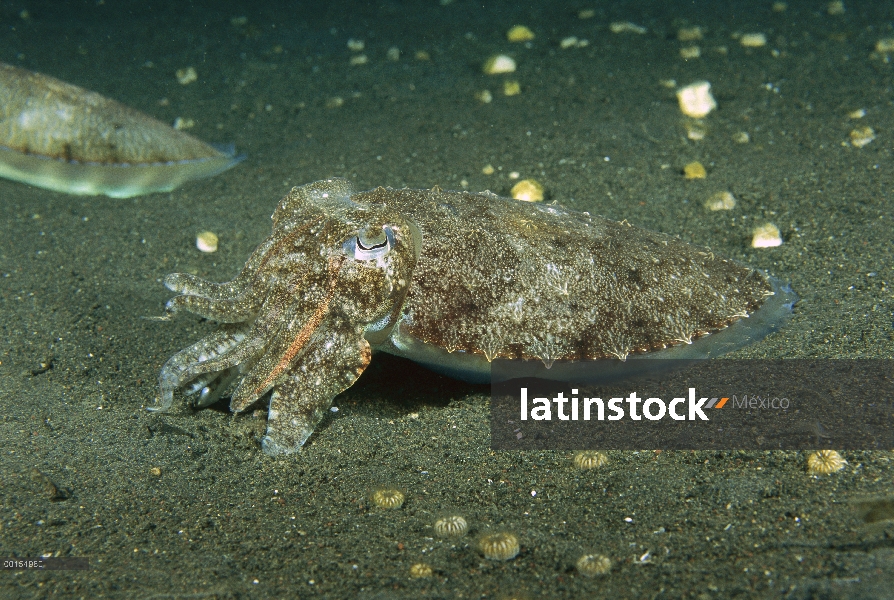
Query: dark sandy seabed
[593,124]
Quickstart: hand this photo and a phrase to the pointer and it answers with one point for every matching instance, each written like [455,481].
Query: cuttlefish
[61,137]
[452,280]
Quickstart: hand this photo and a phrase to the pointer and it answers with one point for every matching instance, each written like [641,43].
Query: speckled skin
[451,279]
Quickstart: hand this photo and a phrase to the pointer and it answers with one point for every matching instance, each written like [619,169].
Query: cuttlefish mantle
[61,137]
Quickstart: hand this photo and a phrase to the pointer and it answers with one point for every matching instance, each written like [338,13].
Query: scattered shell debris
[721,201]
[356,45]
[180,123]
[207,242]
[592,565]
[690,52]
[741,137]
[511,88]
[499,63]
[421,570]
[885,45]
[484,96]
[862,136]
[335,102]
[587,460]
[696,131]
[187,75]
[499,546]
[387,498]
[453,526]
[779,7]
[528,190]
[520,33]
[359,59]
[572,41]
[857,114]
[487,169]
[627,27]
[155,471]
[696,100]
[690,34]
[695,170]
[823,462]
[766,236]
[587,13]
[753,40]
[393,53]
[835,8]
[422,55]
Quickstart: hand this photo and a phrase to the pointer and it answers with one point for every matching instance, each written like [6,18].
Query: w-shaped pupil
[381,244]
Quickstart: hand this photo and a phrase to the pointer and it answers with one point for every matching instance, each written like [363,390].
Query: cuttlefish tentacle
[208,388]
[244,284]
[184,283]
[190,284]
[217,353]
[177,371]
[227,348]
[173,374]
[234,310]
[329,365]
[286,348]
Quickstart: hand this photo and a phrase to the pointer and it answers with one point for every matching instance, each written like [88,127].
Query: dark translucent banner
[653,404]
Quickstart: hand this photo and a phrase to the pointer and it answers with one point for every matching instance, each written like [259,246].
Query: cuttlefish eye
[370,244]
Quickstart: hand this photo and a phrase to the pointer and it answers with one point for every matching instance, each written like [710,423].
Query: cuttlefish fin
[329,365]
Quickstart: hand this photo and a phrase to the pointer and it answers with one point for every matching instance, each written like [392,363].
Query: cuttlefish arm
[306,370]
[331,363]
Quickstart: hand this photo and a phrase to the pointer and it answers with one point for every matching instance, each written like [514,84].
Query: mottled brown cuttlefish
[452,280]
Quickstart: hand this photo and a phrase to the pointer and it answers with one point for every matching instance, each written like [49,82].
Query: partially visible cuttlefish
[451,280]
[62,137]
